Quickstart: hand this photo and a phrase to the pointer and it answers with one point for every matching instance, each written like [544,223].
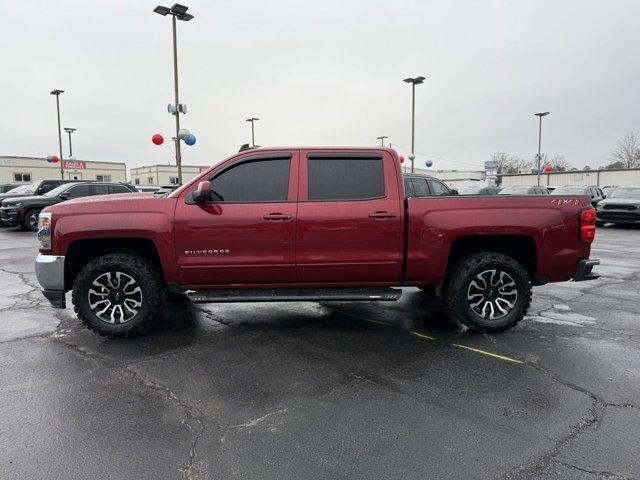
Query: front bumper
[50,275]
[584,270]
[9,216]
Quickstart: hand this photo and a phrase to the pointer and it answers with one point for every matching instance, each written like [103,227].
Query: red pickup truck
[308,224]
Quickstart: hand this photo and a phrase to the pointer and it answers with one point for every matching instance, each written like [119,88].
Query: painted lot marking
[427,337]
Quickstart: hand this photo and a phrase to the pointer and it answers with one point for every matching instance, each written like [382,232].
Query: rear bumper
[50,275]
[584,270]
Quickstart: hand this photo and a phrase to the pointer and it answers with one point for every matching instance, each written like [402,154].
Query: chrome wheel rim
[33,220]
[115,297]
[492,294]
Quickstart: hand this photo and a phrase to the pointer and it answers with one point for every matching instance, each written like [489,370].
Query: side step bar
[295,295]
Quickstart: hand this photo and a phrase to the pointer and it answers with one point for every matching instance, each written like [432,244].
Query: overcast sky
[322,73]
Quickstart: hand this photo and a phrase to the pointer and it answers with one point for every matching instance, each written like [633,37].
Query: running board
[295,295]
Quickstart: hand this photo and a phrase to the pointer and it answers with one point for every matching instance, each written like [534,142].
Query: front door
[245,235]
[349,228]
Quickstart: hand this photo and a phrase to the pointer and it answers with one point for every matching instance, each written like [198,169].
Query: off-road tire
[26,220]
[464,272]
[143,271]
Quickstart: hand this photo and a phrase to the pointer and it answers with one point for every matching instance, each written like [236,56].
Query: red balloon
[157,139]
[548,169]
[54,159]
[401,159]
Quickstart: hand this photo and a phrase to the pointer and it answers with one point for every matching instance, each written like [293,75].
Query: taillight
[588,225]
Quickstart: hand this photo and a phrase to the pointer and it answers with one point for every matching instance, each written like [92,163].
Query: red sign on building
[74,165]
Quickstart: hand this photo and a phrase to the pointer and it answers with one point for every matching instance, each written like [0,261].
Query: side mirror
[202,193]
[454,192]
[64,196]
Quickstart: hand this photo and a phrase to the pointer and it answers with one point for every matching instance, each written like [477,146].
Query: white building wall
[33,169]
[164,174]
[454,178]
[599,178]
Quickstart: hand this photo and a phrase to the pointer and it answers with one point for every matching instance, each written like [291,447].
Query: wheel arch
[81,252]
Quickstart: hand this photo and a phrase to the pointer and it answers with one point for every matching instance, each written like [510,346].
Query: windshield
[626,193]
[515,190]
[570,191]
[58,190]
[23,188]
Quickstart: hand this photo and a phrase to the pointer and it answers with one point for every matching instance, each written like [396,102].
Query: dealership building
[33,169]
[593,178]
[164,174]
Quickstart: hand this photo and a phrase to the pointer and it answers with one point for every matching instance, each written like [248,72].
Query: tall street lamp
[253,139]
[70,130]
[381,138]
[57,94]
[540,115]
[177,12]
[413,81]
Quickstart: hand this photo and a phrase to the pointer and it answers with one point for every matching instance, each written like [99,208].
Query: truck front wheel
[118,294]
[488,292]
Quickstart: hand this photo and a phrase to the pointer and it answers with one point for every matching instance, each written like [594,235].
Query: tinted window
[118,189]
[420,187]
[99,189]
[254,181]
[343,178]
[76,191]
[48,186]
[439,188]
[408,188]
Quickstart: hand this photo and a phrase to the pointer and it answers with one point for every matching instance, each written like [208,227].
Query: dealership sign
[74,165]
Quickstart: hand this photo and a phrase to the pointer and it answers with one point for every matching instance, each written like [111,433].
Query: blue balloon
[534,170]
[428,163]
[48,158]
[190,139]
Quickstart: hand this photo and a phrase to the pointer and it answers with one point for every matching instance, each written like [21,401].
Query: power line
[438,157]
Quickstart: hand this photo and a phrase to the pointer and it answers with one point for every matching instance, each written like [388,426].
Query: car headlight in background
[44,231]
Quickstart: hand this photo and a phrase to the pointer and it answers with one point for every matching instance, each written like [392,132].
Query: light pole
[57,94]
[177,12]
[381,138]
[70,130]
[540,115]
[413,81]
[253,139]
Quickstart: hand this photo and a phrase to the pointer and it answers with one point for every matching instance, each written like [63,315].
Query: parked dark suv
[416,185]
[24,211]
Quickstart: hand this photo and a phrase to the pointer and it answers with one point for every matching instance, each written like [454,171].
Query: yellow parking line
[422,335]
[494,355]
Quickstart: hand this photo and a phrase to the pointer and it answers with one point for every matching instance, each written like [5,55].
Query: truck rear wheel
[488,292]
[118,295]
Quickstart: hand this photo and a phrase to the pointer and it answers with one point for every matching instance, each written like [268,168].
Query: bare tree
[509,164]
[559,163]
[627,151]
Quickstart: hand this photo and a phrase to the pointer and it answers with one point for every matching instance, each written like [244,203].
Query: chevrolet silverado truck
[308,224]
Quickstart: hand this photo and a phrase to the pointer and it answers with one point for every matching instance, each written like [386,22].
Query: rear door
[246,234]
[349,228]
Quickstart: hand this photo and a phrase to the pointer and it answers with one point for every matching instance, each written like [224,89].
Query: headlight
[44,231]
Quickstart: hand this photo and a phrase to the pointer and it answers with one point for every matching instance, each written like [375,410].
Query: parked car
[621,206]
[6,187]
[24,211]
[594,193]
[147,188]
[308,224]
[480,190]
[165,190]
[417,185]
[524,191]
[607,190]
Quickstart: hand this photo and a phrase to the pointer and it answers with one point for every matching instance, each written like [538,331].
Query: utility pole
[540,115]
[57,94]
[70,130]
[177,12]
[253,138]
[413,81]
[381,138]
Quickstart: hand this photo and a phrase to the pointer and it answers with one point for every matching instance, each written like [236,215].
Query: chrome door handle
[277,216]
[381,215]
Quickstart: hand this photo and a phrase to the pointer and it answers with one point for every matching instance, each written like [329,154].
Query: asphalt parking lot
[326,391]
